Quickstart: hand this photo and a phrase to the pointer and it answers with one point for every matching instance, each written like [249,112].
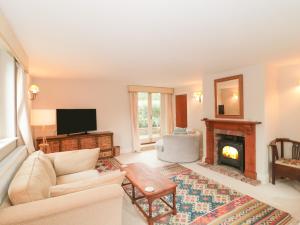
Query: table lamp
[43,118]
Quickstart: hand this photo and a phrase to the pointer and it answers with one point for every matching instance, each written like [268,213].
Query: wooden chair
[285,167]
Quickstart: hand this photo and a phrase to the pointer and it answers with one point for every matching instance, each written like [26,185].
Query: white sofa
[179,148]
[63,189]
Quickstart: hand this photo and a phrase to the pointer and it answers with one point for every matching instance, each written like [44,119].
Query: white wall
[109,98]
[194,108]
[288,87]
[10,42]
[272,104]
[254,107]
[282,101]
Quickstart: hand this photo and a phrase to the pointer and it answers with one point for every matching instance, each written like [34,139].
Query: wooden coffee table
[141,176]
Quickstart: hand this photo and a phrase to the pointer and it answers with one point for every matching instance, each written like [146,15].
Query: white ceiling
[156,42]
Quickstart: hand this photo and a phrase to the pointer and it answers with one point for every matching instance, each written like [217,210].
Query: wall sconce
[298,86]
[198,96]
[33,91]
[235,97]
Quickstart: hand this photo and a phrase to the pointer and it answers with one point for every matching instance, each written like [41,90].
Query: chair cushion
[289,162]
[75,161]
[74,177]
[115,177]
[32,181]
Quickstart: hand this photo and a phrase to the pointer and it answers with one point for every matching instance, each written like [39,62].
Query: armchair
[287,163]
[179,148]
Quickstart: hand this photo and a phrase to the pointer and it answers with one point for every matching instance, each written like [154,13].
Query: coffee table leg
[150,221]
[133,194]
[174,203]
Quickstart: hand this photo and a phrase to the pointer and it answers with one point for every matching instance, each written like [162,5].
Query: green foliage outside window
[143,110]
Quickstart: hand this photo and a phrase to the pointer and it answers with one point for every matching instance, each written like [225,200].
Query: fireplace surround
[231,151]
[247,129]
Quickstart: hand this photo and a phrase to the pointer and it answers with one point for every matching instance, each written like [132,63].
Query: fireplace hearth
[231,151]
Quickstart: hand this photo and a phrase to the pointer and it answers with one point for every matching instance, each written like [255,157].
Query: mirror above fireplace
[229,101]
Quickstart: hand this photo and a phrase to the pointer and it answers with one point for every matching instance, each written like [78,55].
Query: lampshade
[34,89]
[43,117]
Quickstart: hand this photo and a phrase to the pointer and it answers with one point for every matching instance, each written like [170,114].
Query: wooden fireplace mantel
[231,121]
[248,128]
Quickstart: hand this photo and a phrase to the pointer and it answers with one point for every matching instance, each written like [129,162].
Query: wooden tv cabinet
[60,143]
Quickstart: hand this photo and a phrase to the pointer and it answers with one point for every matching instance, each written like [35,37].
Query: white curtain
[22,110]
[166,116]
[133,99]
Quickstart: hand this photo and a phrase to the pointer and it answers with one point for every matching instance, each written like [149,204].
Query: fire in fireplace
[231,151]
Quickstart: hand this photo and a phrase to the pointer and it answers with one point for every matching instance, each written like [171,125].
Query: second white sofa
[64,188]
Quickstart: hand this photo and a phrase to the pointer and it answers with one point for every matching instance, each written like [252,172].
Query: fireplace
[231,151]
[247,129]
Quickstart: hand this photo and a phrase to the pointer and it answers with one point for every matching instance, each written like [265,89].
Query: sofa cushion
[289,162]
[74,177]
[47,163]
[179,130]
[31,182]
[115,177]
[75,161]
[6,203]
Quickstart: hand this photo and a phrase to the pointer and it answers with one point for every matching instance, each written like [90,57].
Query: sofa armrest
[101,205]
[74,161]
[115,177]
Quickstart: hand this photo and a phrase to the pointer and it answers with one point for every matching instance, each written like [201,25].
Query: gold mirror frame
[241,97]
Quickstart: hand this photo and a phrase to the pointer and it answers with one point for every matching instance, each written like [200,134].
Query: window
[149,117]
[7,96]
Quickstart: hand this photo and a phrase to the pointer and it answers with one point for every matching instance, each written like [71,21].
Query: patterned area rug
[109,164]
[201,201]
[231,172]
[245,210]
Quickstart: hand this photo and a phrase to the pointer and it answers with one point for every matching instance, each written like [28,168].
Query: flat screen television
[71,121]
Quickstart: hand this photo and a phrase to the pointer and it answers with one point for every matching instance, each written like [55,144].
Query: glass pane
[228,97]
[155,115]
[7,96]
[143,115]
[230,152]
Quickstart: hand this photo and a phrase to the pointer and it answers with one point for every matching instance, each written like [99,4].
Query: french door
[149,117]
